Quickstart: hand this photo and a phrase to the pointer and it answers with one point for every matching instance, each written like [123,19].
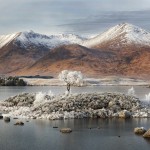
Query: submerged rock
[147,134]
[55,127]
[1,117]
[15,118]
[6,119]
[66,130]
[19,123]
[139,130]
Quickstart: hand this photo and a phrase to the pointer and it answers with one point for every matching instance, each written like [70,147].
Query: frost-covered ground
[86,105]
[90,81]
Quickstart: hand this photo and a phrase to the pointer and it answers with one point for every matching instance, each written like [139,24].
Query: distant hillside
[74,57]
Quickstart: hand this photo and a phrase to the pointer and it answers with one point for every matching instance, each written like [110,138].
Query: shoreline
[107,81]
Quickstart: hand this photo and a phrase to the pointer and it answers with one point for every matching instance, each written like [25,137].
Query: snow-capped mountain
[21,50]
[6,39]
[122,50]
[121,34]
[26,39]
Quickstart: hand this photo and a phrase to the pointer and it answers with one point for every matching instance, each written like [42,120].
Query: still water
[105,134]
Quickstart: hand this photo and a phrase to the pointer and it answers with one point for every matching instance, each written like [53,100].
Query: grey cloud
[77,16]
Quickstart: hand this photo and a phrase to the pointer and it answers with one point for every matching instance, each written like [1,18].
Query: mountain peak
[127,27]
[121,34]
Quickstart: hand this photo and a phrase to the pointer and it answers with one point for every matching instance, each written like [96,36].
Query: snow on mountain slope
[6,39]
[27,38]
[123,34]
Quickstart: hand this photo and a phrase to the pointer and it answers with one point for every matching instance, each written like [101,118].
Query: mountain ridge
[122,50]
[30,37]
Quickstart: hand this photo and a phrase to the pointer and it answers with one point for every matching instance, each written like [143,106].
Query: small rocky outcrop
[66,130]
[139,130]
[147,134]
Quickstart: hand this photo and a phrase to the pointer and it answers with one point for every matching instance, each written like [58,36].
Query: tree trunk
[68,87]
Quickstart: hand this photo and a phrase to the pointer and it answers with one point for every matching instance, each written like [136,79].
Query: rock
[139,130]
[102,113]
[147,134]
[115,115]
[124,114]
[65,130]
[6,119]
[33,117]
[1,117]
[15,118]
[55,127]
[19,123]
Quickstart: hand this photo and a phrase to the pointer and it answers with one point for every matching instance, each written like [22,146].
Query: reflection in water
[105,134]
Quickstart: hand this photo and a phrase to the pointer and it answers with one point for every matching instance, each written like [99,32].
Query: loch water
[88,134]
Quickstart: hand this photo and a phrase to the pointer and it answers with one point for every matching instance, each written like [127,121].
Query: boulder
[65,130]
[20,123]
[6,119]
[124,114]
[147,134]
[139,130]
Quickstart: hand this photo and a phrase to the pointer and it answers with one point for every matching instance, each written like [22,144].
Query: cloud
[78,16]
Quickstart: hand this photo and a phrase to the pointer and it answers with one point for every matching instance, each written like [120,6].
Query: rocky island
[85,105]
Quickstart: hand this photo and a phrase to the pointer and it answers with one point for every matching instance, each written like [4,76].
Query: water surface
[105,134]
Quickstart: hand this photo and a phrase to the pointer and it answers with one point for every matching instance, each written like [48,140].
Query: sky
[83,17]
